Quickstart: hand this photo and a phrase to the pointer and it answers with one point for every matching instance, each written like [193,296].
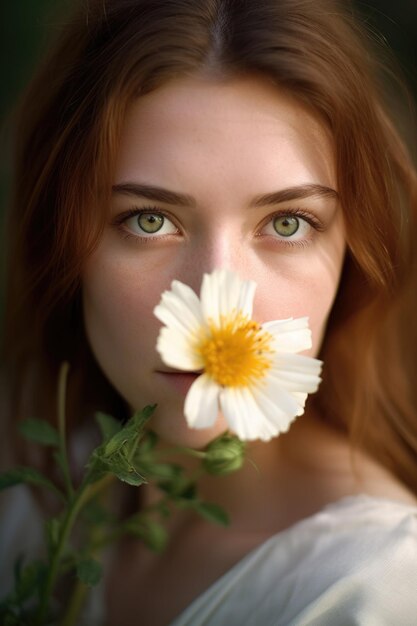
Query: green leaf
[60,461]
[148,443]
[109,426]
[177,484]
[179,488]
[154,535]
[118,454]
[29,475]
[113,445]
[130,433]
[117,464]
[188,491]
[96,467]
[164,510]
[89,572]
[141,417]
[39,431]
[29,581]
[212,513]
[53,529]
[128,474]
[96,514]
[162,471]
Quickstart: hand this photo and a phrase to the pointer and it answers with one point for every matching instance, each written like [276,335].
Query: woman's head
[117,54]
[211,174]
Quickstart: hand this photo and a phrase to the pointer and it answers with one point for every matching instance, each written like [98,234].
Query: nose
[221,248]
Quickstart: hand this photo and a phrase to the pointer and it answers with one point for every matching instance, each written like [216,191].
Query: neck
[282,481]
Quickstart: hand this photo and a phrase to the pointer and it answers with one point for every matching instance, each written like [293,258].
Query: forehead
[245,129]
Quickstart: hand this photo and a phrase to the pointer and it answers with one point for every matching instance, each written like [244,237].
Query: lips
[180,381]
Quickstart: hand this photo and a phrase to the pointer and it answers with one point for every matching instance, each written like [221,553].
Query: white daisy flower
[249,371]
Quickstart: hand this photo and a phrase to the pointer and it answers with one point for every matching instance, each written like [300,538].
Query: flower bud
[224,455]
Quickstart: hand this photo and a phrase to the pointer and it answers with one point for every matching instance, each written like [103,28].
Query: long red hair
[67,132]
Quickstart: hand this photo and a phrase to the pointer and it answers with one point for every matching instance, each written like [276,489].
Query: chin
[180,434]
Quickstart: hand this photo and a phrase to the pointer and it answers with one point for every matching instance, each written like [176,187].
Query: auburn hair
[67,134]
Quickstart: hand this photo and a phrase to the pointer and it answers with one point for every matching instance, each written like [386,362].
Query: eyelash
[123,217]
[311,219]
[308,217]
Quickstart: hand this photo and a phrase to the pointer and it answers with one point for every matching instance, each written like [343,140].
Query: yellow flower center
[237,353]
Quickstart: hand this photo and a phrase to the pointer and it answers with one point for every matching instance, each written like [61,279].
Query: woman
[162,140]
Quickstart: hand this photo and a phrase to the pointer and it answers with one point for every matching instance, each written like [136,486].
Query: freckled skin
[223,143]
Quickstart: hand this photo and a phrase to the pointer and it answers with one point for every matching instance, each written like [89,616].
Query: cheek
[118,303]
[320,305]
[114,316]
[298,290]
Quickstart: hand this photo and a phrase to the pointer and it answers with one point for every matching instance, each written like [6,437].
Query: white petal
[297,363]
[260,413]
[292,335]
[241,413]
[209,297]
[296,372]
[170,319]
[297,382]
[269,425]
[201,406]
[190,298]
[236,294]
[247,294]
[234,411]
[282,399]
[177,351]
[223,292]
[180,309]
[279,406]
[300,398]
[229,292]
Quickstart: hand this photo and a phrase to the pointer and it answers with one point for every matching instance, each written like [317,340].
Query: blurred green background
[26,24]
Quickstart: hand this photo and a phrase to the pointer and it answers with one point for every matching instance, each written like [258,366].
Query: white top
[353,563]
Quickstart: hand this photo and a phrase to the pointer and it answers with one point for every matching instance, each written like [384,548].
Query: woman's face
[234,174]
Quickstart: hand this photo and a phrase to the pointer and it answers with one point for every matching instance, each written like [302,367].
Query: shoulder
[355,518]
[354,562]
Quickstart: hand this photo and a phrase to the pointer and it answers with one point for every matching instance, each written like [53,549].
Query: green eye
[286,225]
[150,222]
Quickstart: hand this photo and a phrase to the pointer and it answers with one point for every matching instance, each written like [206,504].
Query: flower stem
[122,528]
[83,495]
[55,562]
[75,604]
[62,391]
[199,454]
[80,590]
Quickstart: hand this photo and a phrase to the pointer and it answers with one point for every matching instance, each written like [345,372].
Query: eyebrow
[311,190]
[159,194]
